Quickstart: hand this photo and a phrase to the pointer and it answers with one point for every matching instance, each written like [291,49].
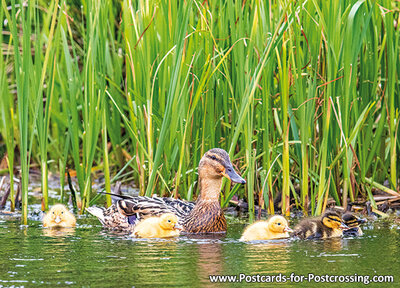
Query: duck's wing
[181,207]
[112,219]
[143,206]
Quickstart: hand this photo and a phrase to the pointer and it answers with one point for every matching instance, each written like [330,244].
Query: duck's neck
[210,189]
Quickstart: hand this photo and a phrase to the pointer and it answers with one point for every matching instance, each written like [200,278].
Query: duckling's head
[332,220]
[216,164]
[278,224]
[169,221]
[58,213]
[352,221]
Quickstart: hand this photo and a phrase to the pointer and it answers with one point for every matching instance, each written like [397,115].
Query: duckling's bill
[288,229]
[343,226]
[57,220]
[178,227]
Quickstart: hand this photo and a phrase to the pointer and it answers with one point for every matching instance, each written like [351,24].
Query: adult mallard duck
[328,226]
[275,228]
[59,216]
[163,226]
[353,222]
[203,216]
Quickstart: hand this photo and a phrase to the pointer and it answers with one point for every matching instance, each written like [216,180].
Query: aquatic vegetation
[304,96]
[276,227]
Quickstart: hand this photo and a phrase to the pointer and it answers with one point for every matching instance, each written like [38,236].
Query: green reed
[7,115]
[302,94]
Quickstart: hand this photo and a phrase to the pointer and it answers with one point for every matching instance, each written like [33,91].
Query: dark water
[88,256]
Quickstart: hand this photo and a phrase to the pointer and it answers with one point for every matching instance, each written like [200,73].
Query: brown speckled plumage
[317,229]
[206,217]
[203,216]
[111,218]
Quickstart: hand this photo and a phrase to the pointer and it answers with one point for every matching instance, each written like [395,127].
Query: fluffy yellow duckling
[275,228]
[59,216]
[328,226]
[158,227]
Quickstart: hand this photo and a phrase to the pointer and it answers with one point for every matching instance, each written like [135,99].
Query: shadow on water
[89,256]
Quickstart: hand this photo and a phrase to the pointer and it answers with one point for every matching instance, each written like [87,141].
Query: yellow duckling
[158,227]
[59,216]
[328,226]
[275,228]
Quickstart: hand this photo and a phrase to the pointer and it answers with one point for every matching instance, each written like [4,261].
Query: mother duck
[203,216]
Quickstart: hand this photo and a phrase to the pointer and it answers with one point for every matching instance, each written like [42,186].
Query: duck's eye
[213,157]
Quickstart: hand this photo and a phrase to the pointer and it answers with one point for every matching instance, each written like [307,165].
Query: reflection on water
[89,256]
[268,256]
[58,232]
[209,260]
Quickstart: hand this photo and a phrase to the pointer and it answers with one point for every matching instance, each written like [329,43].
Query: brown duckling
[353,222]
[163,226]
[328,226]
[59,216]
[203,216]
[275,228]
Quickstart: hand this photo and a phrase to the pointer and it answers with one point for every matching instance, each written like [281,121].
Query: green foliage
[303,94]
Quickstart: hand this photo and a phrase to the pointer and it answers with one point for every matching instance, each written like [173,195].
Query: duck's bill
[344,226]
[287,229]
[178,227]
[361,221]
[235,178]
[57,220]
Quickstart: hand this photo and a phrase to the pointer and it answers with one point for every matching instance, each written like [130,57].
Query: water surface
[88,256]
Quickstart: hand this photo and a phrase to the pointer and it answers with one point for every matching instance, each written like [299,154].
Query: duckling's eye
[169,221]
[279,223]
[53,212]
[213,157]
[62,212]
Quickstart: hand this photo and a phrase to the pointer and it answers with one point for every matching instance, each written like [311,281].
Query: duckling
[203,216]
[275,228]
[353,223]
[328,226]
[163,226]
[59,216]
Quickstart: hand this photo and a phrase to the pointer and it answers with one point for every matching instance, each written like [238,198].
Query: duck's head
[278,224]
[169,221]
[216,164]
[352,221]
[58,213]
[332,220]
